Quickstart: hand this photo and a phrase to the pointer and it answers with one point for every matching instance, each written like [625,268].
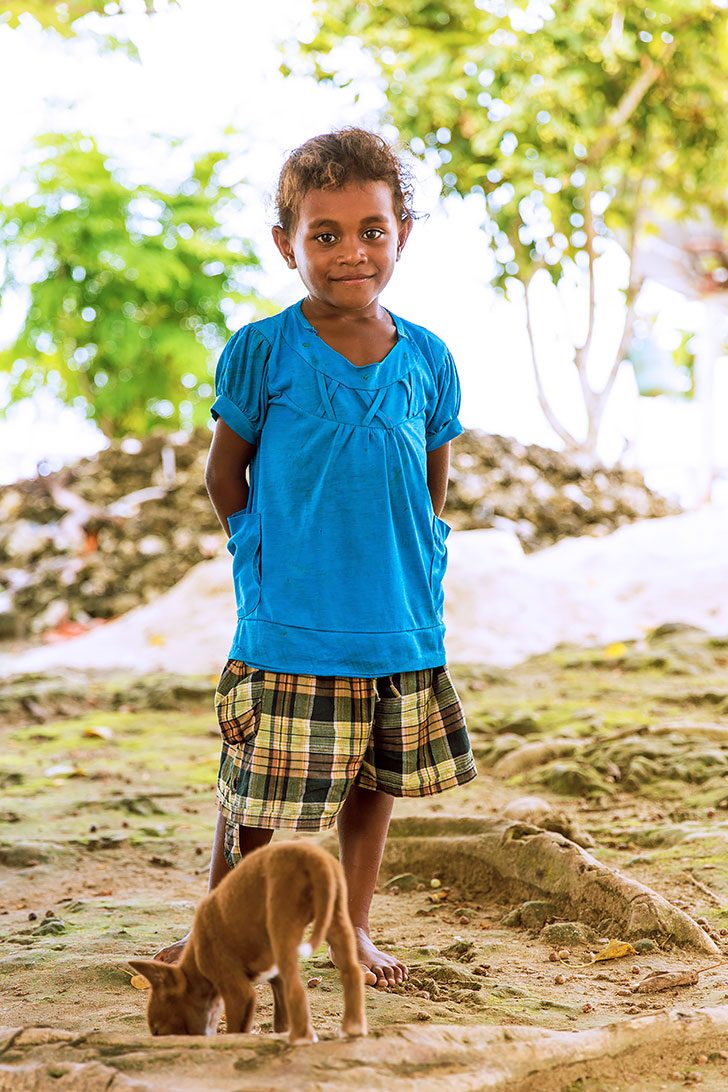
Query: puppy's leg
[284,942]
[280,1010]
[343,946]
[239,1006]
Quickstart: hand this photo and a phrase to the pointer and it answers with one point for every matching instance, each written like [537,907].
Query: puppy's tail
[324,887]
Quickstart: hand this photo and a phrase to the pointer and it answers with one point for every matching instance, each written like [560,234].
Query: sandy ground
[502,606]
[107,818]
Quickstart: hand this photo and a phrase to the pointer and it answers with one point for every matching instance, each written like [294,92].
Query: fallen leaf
[138,981]
[98,731]
[63,769]
[665,980]
[616,650]
[616,949]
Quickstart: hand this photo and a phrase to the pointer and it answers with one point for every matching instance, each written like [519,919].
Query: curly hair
[332,160]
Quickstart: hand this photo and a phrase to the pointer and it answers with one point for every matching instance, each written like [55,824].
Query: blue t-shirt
[338,558]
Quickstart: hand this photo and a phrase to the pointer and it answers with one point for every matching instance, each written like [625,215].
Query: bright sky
[213,64]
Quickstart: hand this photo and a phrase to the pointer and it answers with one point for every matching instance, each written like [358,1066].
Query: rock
[572,934]
[575,779]
[462,950]
[533,914]
[405,882]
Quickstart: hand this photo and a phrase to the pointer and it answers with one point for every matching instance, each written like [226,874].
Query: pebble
[559,980]
[702,1059]
[423,1016]
[313,983]
[586,1007]
[93,828]
[464,920]
[49,914]
[435,883]
[563,953]
[553,957]
[198,851]
[32,916]
[424,994]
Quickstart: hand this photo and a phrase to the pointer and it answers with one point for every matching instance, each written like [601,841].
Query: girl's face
[345,243]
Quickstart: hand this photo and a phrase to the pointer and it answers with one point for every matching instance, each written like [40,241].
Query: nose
[351,251]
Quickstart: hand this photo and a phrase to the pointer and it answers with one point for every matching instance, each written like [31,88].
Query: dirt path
[107,817]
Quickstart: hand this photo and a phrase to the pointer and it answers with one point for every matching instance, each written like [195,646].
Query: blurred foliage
[129,287]
[576,122]
[64,18]
[541,109]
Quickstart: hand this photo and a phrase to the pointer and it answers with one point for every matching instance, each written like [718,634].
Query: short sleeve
[241,383]
[441,418]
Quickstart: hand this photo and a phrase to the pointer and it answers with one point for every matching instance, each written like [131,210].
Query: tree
[129,286]
[577,124]
[65,18]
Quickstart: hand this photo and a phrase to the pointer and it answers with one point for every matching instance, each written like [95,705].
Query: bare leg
[250,838]
[363,824]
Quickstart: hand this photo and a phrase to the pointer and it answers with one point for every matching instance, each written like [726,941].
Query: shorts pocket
[440,531]
[237,701]
[245,546]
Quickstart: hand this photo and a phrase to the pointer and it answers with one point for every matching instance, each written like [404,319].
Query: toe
[381,980]
[370,978]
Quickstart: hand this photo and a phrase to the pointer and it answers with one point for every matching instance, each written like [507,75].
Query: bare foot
[380,970]
[173,952]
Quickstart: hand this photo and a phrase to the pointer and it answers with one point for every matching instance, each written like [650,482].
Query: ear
[159,974]
[283,244]
[403,235]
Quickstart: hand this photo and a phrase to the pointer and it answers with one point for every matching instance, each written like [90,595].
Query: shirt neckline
[398,325]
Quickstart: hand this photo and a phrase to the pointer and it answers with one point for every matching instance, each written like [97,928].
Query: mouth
[358,279]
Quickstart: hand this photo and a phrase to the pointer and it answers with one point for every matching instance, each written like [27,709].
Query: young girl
[336,697]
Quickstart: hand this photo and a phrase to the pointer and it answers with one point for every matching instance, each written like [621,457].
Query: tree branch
[562,432]
[633,291]
[581,353]
[629,102]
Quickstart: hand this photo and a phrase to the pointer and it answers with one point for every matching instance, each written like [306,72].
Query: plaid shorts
[293,745]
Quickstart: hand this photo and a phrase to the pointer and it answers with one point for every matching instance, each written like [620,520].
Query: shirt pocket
[238,699]
[245,546]
[438,565]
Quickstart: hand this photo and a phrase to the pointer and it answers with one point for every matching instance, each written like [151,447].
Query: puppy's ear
[158,974]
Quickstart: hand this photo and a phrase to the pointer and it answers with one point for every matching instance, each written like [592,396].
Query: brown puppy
[250,928]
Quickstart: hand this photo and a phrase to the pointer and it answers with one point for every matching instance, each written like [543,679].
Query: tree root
[516,859]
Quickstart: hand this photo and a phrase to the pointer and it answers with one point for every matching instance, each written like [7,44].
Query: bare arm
[227,462]
[438,470]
